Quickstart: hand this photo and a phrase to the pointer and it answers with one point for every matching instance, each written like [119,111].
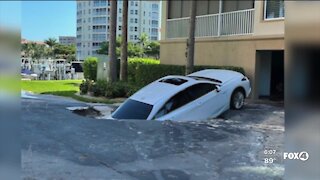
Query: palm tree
[143,39]
[51,42]
[124,42]
[190,43]
[38,51]
[27,49]
[112,42]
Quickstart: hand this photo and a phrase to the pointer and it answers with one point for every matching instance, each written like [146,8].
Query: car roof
[157,90]
[217,74]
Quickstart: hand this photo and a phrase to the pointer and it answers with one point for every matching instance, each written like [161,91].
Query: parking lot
[59,144]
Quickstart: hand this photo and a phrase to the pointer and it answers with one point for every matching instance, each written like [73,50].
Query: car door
[194,103]
[209,99]
[175,108]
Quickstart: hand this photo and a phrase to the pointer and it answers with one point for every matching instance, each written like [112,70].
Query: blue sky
[10,14]
[43,19]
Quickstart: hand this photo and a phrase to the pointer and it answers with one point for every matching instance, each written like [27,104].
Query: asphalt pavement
[60,144]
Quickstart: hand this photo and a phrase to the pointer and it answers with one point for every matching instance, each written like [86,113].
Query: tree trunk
[190,43]
[124,42]
[112,42]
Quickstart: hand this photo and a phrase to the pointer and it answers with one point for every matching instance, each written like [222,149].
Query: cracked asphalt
[59,144]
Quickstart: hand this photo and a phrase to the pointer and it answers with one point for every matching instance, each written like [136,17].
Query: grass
[65,88]
[61,88]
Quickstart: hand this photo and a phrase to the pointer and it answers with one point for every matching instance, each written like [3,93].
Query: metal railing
[214,25]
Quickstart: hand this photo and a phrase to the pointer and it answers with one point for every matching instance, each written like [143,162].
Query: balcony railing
[214,25]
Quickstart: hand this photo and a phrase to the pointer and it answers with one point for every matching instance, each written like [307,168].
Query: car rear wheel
[237,99]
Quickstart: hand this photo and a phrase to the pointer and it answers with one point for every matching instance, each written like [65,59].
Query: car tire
[237,99]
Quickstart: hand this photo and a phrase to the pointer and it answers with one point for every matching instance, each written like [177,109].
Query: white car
[198,96]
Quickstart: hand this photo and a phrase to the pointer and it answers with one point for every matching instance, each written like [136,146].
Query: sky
[41,20]
[10,14]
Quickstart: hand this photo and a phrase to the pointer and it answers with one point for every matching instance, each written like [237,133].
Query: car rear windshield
[132,109]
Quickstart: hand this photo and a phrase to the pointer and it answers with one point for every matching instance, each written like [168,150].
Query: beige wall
[164,17]
[261,26]
[266,27]
[228,52]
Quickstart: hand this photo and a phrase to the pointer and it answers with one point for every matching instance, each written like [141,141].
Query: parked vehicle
[198,96]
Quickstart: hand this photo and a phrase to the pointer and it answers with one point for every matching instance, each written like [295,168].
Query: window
[136,12]
[99,37]
[131,37]
[184,97]
[131,28]
[273,9]
[131,11]
[120,27]
[135,20]
[135,29]
[174,81]
[120,10]
[131,20]
[154,23]
[174,103]
[155,6]
[132,3]
[99,20]
[132,109]
[199,90]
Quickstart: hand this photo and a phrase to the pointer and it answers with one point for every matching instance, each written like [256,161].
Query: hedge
[90,67]
[147,73]
[133,63]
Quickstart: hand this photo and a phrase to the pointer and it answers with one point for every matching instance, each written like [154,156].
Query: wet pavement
[59,144]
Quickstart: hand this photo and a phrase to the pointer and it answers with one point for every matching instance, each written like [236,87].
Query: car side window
[175,102]
[184,97]
[198,90]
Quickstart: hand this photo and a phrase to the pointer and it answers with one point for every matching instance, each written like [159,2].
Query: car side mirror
[218,89]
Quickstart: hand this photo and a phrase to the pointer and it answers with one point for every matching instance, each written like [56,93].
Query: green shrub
[85,86]
[99,88]
[147,73]
[132,89]
[90,68]
[117,89]
[133,63]
[109,90]
[141,71]
[143,61]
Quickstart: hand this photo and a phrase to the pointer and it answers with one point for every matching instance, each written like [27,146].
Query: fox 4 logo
[303,156]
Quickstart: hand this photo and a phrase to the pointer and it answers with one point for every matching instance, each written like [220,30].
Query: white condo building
[93,18]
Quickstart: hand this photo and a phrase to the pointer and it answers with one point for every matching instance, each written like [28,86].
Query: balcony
[213,25]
